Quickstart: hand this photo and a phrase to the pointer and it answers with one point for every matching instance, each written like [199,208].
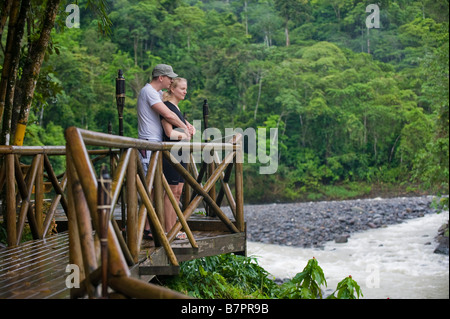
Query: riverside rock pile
[312,224]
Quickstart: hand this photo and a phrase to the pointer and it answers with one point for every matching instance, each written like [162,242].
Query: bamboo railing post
[39,198]
[210,169]
[75,256]
[159,192]
[142,215]
[104,210]
[85,232]
[11,234]
[186,195]
[131,194]
[239,177]
[2,172]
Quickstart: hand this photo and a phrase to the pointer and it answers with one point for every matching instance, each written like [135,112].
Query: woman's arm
[174,135]
[170,116]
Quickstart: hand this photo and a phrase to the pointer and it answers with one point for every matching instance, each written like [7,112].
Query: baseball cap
[164,69]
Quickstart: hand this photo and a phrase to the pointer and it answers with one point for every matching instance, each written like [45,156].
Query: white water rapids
[395,262]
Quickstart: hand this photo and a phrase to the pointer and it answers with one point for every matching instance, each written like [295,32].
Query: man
[150,106]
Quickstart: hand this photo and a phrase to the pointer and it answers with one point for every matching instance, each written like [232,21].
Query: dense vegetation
[354,107]
[237,277]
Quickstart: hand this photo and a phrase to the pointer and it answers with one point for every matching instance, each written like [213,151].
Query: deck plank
[35,269]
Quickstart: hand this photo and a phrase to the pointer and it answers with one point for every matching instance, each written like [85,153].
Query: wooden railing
[28,186]
[77,189]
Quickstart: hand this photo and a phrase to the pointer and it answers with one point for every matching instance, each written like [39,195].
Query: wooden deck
[109,250]
[37,269]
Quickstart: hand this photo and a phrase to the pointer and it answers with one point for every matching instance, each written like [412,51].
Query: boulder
[341,239]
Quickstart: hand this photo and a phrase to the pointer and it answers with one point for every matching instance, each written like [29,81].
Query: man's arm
[170,117]
[174,135]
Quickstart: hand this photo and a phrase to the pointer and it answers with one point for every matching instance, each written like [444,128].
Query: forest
[357,109]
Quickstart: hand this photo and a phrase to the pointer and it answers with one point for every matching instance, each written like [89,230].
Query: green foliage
[346,113]
[346,289]
[237,277]
[225,276]
[305,285]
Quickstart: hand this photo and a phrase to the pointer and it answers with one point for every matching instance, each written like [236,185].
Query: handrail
[26,190]
[49,150]
[108,140]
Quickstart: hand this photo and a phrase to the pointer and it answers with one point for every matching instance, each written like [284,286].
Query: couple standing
[160,119]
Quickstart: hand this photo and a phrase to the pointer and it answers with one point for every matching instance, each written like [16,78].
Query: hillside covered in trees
[355,108]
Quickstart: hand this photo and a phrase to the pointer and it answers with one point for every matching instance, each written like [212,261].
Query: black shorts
[171,174]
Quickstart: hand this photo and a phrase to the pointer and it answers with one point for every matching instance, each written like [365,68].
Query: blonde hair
[174,85]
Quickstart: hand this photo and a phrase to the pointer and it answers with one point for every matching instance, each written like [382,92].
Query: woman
[176,93]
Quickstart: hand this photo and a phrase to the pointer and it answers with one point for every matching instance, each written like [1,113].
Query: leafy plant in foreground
[346,289]
[306,284]
[238,277]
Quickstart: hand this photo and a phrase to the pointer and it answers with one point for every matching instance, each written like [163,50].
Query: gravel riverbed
[311,224]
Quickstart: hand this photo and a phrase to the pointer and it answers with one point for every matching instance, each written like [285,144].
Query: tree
[190,19]
[292,10]
[17,12]
[16,93]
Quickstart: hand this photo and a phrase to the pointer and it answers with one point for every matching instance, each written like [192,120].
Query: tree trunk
[4,16]
[135,47]
[259,95]
[31,70]
[246,17]
[286,32]
[16,26]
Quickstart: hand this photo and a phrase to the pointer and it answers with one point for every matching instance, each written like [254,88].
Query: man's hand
[188,134]
[191,128]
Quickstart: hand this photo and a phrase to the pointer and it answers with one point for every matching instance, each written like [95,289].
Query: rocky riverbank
[312,224]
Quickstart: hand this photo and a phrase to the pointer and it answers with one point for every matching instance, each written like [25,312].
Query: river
[395,262]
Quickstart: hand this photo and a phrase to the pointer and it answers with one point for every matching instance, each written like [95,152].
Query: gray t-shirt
[149,123]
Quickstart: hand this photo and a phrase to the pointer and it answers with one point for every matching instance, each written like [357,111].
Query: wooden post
[131,192]
[75,256]
[11,234]
[85,232]
[159,191]
[104,210]
[212,192]
[186,198]
[239,177]
[39,198]
[142,215]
